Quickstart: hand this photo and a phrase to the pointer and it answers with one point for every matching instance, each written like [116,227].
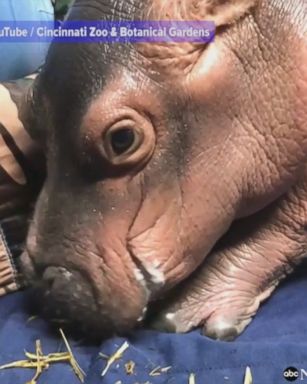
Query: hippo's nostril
[55,277]
[50,274]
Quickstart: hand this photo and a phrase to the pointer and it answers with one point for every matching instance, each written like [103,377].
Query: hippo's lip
[147,274]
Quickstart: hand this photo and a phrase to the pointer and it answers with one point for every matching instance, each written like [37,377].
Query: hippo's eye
[123,140]
[128,142]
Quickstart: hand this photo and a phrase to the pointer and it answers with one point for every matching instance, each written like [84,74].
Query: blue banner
[107,31]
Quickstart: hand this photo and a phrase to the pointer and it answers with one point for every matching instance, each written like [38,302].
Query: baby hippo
[176,172]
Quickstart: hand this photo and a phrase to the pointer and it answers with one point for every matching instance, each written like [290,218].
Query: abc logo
[291,374]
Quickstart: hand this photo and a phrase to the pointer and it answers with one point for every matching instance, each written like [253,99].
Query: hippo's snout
[66,296]
[64,291]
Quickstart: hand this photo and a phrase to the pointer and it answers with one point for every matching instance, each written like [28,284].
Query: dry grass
[40,362]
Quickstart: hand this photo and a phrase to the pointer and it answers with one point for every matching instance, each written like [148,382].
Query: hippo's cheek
[154,243]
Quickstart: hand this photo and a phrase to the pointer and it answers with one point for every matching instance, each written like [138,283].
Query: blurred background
[19,60]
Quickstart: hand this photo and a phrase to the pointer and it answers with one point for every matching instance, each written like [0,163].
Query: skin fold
[205,212]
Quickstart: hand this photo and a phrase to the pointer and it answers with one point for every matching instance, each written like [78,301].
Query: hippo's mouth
[147,275]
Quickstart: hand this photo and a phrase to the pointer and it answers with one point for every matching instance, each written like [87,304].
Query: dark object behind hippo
[157,152]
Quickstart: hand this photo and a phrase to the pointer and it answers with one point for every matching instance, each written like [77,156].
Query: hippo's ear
[224,12]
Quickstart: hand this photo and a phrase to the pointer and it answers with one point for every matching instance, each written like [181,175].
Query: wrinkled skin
[208,209]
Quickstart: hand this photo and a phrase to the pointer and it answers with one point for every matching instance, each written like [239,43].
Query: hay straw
[192,378]
[158,370]
[248,379]
[116,356]
[41,366]
[130,366]
[40,362]
[32,318]
[19,364]
[106,357]
[51,358]
[75,366]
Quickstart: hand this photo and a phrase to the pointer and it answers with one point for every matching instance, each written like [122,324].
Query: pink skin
[222,150]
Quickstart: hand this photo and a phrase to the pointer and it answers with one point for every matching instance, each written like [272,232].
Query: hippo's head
[154,150]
